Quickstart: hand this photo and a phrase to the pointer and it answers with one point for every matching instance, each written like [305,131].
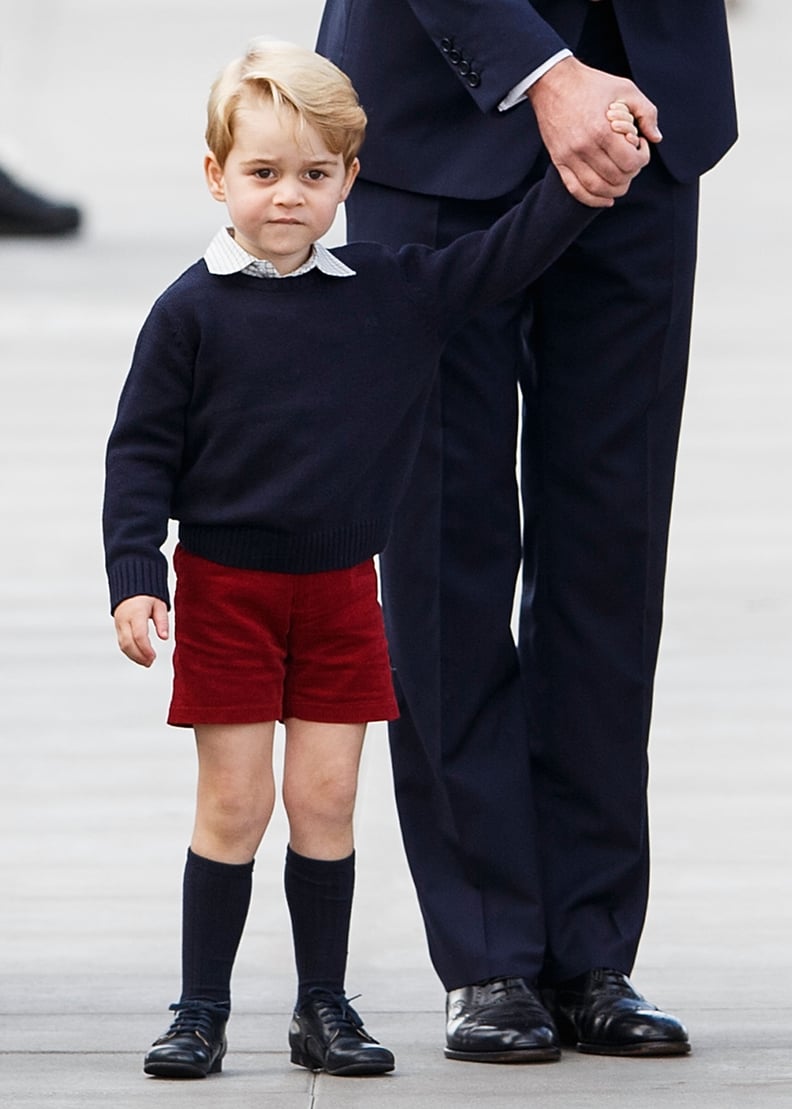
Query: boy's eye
[264,174]
[316,174]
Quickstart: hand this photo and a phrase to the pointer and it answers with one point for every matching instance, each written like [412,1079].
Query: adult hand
[570,102]
[131,622]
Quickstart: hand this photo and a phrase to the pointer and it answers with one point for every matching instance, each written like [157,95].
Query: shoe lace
[507,986]
[198,1017]
[513,992]
[614,981]
[336,1009]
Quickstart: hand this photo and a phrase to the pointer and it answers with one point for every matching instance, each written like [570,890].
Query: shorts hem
[186,716]
[359,712]
[367,712]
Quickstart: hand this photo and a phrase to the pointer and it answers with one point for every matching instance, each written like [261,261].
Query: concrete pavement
[96,792]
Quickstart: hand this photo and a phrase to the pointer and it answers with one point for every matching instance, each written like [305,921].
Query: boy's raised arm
[485,267]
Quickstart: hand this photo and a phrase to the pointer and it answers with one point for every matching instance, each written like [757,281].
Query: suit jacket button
[455,57]
[474,79]
[464,67]
[445,45]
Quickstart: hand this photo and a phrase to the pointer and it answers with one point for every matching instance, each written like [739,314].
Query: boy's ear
[214,177]
[352,172]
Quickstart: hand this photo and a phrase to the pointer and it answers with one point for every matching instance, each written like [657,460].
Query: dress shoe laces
[505,988]
[337,1013]
[602,1013]
[194,1045]
[197,1017]
[501,1020]
[513,993]
[613,981]
[327,1034]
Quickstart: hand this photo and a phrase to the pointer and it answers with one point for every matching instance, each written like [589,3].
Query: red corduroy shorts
[252,646]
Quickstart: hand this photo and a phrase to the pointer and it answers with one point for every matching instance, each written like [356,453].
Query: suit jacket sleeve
[489,47]
[431,73]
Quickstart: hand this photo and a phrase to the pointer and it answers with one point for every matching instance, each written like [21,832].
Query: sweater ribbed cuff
[135,577]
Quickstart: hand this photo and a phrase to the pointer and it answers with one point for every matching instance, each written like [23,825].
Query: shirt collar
[224,256]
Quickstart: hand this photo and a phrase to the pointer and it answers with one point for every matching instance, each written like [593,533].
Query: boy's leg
[236,790]
[319,788]
[320,774]
[235,798]
[234,804]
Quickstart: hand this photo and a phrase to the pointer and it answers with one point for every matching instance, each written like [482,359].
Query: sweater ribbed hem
[251,548]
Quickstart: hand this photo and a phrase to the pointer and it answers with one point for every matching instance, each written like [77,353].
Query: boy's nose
[289,192]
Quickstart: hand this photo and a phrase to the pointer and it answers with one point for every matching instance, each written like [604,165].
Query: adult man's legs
[459,751]
[610,340]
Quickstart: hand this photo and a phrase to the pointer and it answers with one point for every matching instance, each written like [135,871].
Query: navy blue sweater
[277,420]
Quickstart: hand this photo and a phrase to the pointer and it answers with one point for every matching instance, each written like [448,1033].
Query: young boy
[273,407]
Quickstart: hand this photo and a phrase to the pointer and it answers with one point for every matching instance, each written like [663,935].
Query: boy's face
[281,186]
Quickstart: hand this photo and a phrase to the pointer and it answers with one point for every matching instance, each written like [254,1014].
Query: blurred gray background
[103,103]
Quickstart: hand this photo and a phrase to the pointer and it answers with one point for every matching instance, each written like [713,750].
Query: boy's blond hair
[293,79]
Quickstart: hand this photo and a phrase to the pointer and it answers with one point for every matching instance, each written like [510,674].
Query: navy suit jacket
[431,73]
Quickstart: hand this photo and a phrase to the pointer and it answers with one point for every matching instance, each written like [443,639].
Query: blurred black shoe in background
[23,212]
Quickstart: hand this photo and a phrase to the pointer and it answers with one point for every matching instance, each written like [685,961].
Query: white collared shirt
[224,255]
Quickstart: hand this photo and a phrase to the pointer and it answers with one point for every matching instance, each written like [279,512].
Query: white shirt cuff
[519,91]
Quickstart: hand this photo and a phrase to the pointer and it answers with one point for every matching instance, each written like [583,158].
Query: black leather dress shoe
[501,1021]
[23,212]
[327,1034]
[193,1046]
[601,1013]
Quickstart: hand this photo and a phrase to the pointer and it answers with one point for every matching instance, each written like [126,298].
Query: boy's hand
[570,102]
[131,622]
[622,122]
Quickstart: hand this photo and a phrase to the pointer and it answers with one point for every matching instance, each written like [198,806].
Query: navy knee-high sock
[215,902]
[319,896]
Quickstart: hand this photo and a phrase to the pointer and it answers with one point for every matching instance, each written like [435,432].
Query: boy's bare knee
[321,823]
[332,805]
[233,820]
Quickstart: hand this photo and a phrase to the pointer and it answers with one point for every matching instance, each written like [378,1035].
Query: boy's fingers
[622,127]
[619,108]
[644,113]
[132,627]
[134,641]
[159,617]
[619,116]
[622,122]
[145,653]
